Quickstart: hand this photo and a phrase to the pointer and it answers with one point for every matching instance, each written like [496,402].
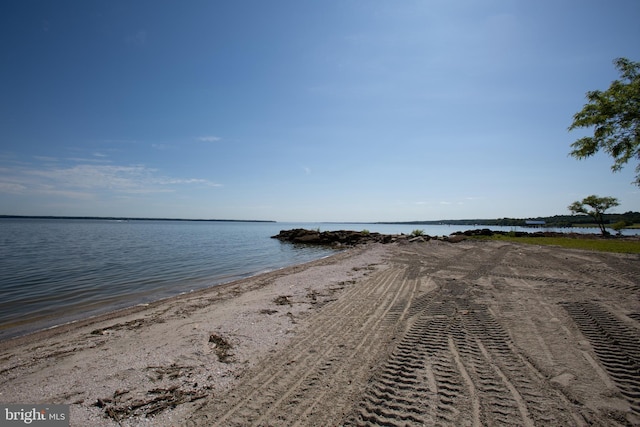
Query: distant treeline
[113,218]
[549,221]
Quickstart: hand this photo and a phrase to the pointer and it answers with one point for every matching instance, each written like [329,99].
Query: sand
[472,333]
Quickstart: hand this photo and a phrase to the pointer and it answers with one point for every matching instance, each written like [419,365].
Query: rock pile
[332,238]
[352,238]
[487,232]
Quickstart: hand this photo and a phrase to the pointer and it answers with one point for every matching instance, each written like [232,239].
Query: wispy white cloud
[121,141]
[88,160]
[47,190]
[87,180]
[209,138]
[118,178]
[170,181]
[11,188]
[46,158]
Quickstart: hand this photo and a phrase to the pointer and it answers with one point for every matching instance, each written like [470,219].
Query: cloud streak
[209,139]
[88,181]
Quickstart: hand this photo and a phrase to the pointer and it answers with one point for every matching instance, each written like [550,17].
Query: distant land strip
[630,219]
[559,221]
[113,218]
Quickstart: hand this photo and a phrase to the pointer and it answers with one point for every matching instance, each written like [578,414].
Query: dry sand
[473,333]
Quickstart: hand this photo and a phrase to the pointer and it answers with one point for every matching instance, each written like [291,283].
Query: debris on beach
[282,300]
[222,348]
[121,405]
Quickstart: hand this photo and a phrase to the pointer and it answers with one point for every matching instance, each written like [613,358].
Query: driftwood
[119,407]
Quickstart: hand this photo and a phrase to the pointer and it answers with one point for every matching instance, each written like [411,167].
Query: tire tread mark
[308,359]
[615,344]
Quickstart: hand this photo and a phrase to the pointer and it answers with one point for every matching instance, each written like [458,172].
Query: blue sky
[305,110]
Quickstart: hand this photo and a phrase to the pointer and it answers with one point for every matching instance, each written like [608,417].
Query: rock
[344,238]
[456,238]
[331,238]
[307,238]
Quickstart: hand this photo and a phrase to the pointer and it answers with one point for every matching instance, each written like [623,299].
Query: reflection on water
[53,271]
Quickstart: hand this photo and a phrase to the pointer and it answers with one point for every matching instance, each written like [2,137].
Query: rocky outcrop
[487,232]
[352,238]
[332,238]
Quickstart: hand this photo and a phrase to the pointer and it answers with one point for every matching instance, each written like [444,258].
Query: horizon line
[417,222]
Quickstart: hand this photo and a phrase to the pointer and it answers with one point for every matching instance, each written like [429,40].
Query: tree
[598,206]
[619,226]
[614,116]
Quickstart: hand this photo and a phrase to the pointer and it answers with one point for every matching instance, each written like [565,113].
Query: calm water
[53,271]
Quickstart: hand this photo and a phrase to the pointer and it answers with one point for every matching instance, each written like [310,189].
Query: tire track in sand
[616,345]
[326,362]
[385,354]
[445,373]
[457,366]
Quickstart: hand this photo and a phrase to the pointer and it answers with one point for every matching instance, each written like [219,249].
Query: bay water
[54,271]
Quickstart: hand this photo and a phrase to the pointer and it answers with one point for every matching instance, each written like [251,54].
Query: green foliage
[365,232]
[417,233]
[619,226]
[614,116]
[603,245]
[597,205]
[550,221]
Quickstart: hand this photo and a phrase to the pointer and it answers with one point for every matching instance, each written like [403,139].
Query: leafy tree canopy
[595,207]
[614,116]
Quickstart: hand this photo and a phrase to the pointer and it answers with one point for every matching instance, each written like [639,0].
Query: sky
[299,110]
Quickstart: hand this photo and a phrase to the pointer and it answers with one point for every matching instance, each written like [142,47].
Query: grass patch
[603,245]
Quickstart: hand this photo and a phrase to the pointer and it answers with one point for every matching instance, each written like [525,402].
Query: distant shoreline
[632,220]
[115,218]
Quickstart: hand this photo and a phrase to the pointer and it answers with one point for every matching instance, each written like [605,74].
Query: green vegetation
[603,245]
[365,232]
[595,207]
[417,233]
[619,226]
[559,221]
[614,117]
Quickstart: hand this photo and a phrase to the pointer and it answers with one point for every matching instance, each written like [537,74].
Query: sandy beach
[427,333]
